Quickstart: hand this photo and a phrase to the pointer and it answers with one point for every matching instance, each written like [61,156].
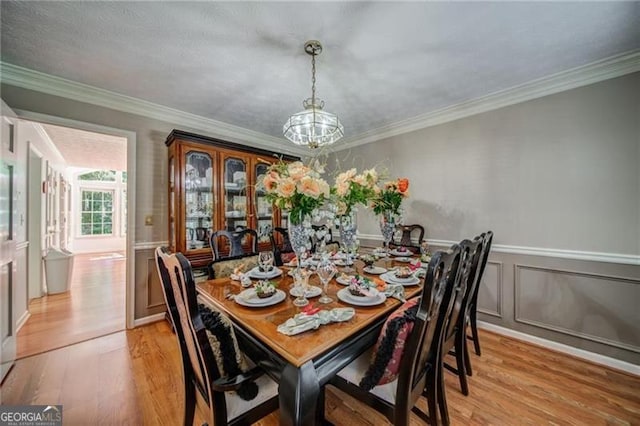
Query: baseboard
[22,320]
[148,319]
[617,364]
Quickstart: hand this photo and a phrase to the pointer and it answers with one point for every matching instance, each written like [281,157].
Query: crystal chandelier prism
[313,127]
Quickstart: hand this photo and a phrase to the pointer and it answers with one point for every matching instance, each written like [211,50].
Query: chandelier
[313,127]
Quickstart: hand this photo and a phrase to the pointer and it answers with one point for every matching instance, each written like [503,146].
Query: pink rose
[309,186]
[286,187]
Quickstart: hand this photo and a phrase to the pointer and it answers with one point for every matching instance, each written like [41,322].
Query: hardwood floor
[134,377]
[94,306]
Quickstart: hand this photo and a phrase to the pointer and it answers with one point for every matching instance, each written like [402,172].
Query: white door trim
[131,190]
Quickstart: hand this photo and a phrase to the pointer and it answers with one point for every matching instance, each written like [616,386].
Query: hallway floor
[95,306]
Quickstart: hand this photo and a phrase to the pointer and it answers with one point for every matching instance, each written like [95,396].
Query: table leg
[298,392]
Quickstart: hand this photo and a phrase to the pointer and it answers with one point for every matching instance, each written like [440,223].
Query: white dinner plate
[255,273]
[403,259]
[347,297]
[344,280]
[375,270]
[406,253]
[390,277]
[250,299]
[341,262]
[311,291]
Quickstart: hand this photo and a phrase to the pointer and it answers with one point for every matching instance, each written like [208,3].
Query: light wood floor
[134,377]
[94,306]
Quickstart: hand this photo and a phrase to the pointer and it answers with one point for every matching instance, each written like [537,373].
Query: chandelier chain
[313,78]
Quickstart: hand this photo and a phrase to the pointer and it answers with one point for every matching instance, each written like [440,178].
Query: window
[123,212]
[100,175]
[96,212]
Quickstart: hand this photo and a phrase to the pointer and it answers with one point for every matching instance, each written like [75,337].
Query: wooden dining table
[301,364]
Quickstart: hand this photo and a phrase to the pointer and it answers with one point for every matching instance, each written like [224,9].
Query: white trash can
[58,266]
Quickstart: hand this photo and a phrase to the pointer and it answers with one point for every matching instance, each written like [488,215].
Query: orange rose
[403,185]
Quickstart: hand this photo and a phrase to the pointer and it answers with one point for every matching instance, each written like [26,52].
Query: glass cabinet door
[199,215]
[172,205]
[235,193]
[263,208]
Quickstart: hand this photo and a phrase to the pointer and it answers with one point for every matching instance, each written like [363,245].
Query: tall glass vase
[348,239]
[299,237]
[388,221]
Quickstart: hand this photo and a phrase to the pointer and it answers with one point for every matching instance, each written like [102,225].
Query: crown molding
[34,80]
[595,72]
[605,69]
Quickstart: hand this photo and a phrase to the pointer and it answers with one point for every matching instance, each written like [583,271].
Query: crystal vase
[387,227]
[299,237]
[348,239]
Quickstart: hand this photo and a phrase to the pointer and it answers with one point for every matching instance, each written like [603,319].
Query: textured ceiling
[243,62]
[90,150]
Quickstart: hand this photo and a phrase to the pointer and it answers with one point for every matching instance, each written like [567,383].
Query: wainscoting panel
[490,292]
[149,299]
[155,297]
[600,308]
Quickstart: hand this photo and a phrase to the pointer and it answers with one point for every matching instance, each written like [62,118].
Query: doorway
[85,216]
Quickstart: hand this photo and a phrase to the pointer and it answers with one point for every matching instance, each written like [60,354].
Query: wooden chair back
[472,314]
[487,240]
[422,350]
[199,364]
[280,244]
[408,235]
[470,257]
[234,240]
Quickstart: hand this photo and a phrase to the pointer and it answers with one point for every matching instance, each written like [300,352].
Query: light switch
[148,220]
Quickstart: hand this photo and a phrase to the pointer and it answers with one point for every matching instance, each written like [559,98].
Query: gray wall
[559,174]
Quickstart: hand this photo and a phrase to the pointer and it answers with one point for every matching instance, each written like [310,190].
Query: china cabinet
[216,185]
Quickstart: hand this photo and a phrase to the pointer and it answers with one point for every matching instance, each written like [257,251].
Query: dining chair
[408,233]
[200,368]
[234,240]
[319,233]
[473,304]
[417,373]
[224,267]
[454,335]
[281,245]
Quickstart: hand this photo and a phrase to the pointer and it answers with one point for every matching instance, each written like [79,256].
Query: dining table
[302,363]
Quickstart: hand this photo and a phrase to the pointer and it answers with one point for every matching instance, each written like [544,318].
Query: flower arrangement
[391,196]
[352,188]
[265,288]
[296,187]
[361,286]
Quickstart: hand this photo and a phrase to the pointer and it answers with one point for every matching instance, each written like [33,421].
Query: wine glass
[325,270]
[265,261]
[301,279]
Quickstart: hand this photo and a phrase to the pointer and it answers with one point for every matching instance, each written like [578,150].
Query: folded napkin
[245,279]
[303,322]
[396,291]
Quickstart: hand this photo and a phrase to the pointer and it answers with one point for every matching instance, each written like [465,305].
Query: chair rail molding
[623,259]
[150,245]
